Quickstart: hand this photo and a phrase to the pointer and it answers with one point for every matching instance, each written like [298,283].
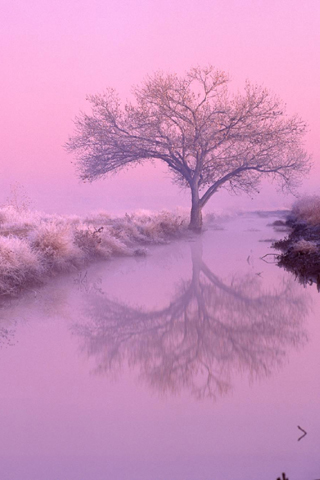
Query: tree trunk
[196,212]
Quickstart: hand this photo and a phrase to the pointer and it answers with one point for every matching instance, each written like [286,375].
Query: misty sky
[54,53]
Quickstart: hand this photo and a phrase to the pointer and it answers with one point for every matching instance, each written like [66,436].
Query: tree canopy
[208,136]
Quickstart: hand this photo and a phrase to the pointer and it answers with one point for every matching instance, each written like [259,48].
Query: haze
[55,53]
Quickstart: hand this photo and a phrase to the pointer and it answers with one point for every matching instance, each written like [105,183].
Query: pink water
[197,362]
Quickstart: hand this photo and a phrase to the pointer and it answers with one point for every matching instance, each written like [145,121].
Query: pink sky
[54,53]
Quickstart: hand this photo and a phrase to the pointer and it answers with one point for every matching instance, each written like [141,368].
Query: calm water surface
[197,362]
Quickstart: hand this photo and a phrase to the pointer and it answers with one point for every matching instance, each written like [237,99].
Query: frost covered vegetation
[307,209]
[301,249]
[35,246]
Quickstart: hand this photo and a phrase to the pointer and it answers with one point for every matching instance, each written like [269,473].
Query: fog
[132,348]
[54,54]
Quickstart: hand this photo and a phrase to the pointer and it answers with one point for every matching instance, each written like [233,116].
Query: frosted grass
[307,209]
[35,245]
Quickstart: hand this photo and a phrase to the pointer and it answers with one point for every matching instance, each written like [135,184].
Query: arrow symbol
[304,433]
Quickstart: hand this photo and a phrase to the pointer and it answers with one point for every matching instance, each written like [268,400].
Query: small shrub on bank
[55,243]
[88,239]
[301,249]
[305,246]
[307,209]
[19,265]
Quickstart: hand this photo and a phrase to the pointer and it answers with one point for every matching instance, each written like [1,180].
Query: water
[196,362]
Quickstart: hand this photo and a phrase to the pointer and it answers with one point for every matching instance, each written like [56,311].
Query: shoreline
[300,250]
[35,246]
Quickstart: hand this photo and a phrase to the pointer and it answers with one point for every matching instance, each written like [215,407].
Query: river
[196,362]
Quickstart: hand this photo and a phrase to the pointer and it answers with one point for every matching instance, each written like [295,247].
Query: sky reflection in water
[119,372]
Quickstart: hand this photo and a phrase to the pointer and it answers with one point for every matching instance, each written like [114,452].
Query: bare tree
[208,137]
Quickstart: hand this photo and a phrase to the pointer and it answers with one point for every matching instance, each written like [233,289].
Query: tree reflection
[6,336]
[210,330]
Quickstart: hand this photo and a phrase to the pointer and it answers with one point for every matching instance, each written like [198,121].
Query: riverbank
[35,246]
[301,248]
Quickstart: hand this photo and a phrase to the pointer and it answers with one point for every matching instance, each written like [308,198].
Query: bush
[19,265]
[55,243]
[307,209]
[305,246]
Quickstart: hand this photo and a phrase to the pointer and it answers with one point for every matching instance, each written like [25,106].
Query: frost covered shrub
[128,231]
[159,227]
[305,246]
[98,242]
[19,265]
[114,246]
[19,223]
[307,209]
[88,239]
[171,225]
[56,245]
